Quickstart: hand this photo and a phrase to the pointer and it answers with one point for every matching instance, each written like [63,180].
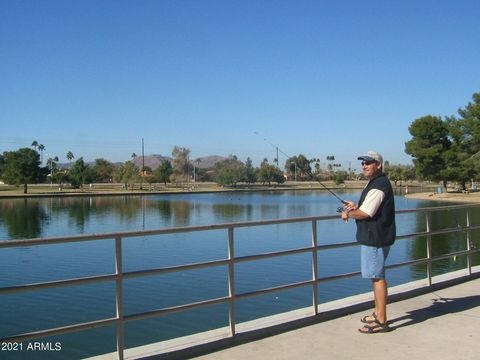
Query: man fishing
[375,219]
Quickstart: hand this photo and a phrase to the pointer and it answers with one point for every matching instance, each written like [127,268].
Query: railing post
[231,279]
[119,297]
[429,248]
[469,240]
[315,267]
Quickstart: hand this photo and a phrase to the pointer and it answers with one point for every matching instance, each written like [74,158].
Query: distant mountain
[209,161]
[152,161]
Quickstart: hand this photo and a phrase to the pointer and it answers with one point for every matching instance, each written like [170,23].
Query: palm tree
[35,144]
[70,157]
[41,147]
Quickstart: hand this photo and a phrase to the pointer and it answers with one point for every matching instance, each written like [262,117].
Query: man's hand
[348,206]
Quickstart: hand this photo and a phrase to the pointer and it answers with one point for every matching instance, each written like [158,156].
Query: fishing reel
[340,209]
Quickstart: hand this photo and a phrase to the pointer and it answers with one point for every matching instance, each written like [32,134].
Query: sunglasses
[368,162]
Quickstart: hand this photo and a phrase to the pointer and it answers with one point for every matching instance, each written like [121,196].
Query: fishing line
[308,173]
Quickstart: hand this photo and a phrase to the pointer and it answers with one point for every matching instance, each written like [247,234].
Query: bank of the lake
[456,197]
[112,189]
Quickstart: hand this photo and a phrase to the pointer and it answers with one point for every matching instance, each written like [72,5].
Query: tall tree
[163,172]
[79,174]
[330,159]
[2,165]
[429,146]
[102,170]
[127,174]
[300,164]
[230,171]
[269,173]
[466,128]
[464,157]
[22,167]
[250,172]
[181,163]
[41,148]
[70,156]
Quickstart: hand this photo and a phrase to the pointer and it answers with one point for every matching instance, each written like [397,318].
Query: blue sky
[312,77]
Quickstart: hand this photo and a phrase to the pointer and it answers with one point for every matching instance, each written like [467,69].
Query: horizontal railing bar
[177,268]
[269,255]
[407,263]
[60,330]
[174,309]
[337,277]
[457,253]
[337,246]
[454,230]
[438,232]
[411,235]
[436,258]
[108,277]
[274,289]
[56,284]
[292,252]
[163,231]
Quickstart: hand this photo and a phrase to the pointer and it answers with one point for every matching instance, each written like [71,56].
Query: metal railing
[119,276]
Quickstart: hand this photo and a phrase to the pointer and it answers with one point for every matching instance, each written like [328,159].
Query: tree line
[442,149]
[24,166]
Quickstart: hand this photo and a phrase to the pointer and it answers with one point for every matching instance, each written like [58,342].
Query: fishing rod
[308,173]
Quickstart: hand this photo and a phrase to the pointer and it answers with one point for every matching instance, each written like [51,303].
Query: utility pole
[142,172]
[277,157]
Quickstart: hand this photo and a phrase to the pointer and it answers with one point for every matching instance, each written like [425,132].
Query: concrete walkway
[442,325]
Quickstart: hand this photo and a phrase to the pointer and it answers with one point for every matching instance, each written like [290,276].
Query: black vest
[380,229]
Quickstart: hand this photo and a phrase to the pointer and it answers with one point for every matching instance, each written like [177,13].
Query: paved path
[440,325]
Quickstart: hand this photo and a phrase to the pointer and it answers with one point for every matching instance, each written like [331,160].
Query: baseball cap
[372,155]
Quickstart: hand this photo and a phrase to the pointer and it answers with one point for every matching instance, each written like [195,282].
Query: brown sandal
[367,319]
[375,327]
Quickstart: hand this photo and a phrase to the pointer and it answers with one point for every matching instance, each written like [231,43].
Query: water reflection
[443,243]
[181,213]
[231,211]
[23,218]
[164,209]
[41,217]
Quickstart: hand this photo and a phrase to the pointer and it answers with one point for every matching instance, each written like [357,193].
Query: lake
[60,216]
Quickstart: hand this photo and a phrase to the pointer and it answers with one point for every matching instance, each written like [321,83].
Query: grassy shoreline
[101,189]
[40,190]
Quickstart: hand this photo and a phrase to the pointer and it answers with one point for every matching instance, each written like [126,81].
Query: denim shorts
[373,261]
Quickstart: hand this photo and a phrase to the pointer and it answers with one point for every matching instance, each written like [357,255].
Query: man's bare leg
[380,292]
